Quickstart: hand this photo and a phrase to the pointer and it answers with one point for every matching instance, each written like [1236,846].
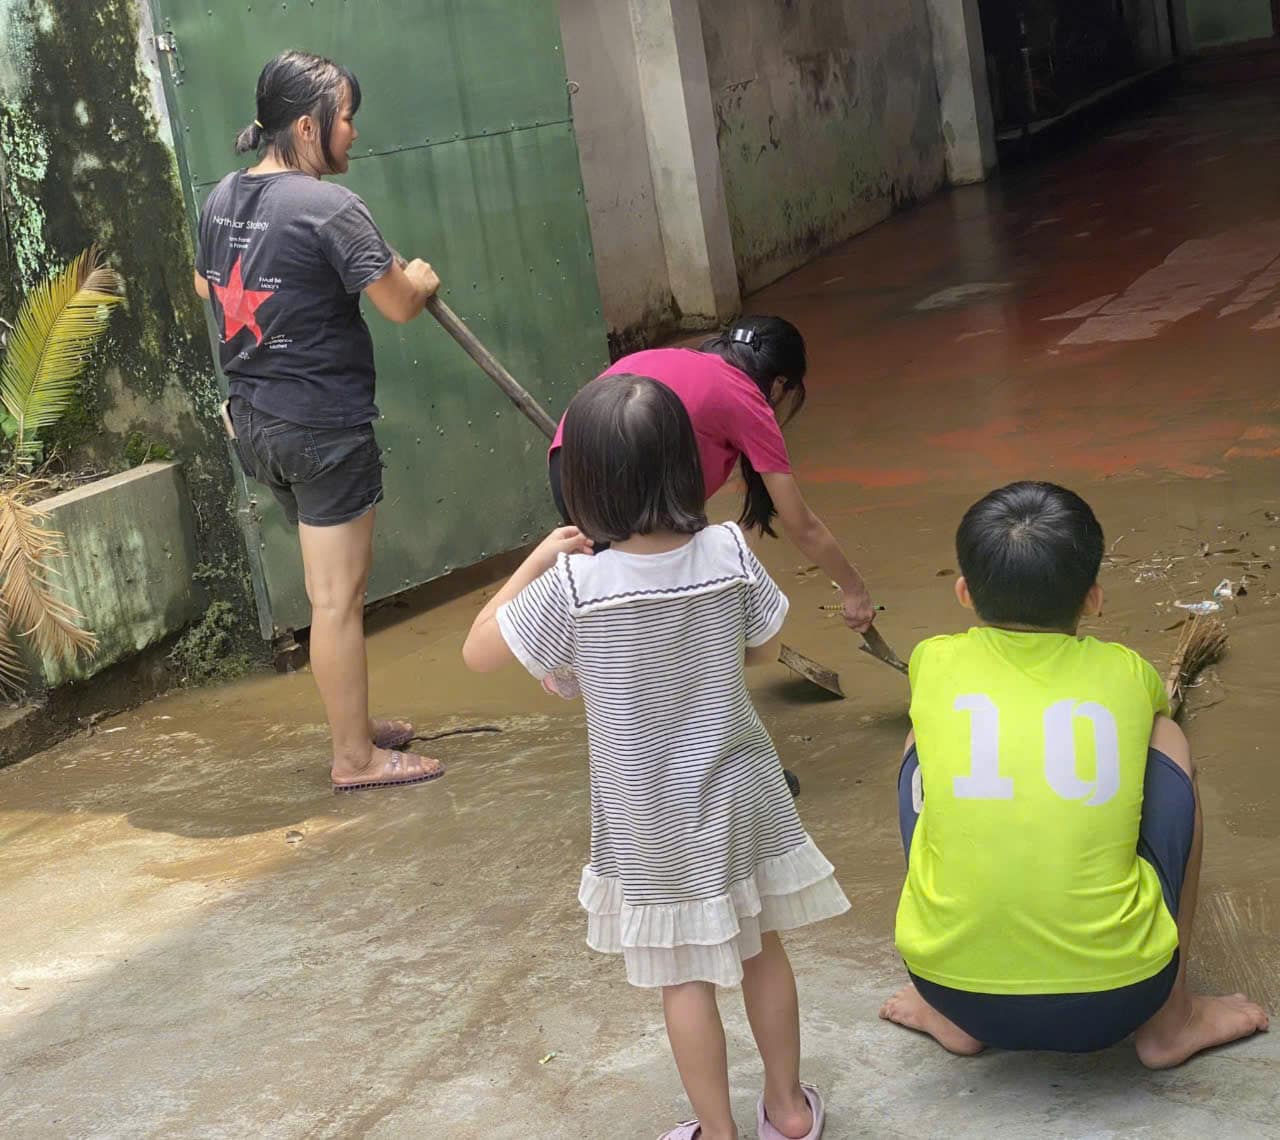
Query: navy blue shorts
[320,476]
[1076,1023]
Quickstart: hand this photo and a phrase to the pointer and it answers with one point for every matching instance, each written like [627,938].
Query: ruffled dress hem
[707,940]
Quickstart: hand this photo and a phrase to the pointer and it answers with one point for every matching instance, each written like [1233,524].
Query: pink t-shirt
[730,415]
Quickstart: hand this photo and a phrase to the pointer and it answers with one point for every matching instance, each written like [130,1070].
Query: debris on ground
[1200,608]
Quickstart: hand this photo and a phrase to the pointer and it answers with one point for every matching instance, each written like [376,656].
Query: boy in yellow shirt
[1050,815]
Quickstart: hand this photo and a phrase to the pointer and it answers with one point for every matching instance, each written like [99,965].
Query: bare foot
[387,769]
[909,1009]
[791,1116]
[1167,1040]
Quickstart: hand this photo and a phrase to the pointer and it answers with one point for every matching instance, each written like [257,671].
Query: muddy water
[1109,322]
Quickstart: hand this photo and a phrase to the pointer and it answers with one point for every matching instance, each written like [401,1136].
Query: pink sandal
[390,734]
[396,773]
[767,1131]
[688,1130]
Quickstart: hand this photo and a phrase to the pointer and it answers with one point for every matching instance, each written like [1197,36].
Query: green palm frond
[58,324]
[29,608]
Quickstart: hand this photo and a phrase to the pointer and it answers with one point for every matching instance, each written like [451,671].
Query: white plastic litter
[1210,607]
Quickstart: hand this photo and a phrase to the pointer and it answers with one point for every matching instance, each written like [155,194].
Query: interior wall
[1216,22]
[827,120]
[1148,22]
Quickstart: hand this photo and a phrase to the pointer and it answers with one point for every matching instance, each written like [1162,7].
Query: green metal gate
[467,158]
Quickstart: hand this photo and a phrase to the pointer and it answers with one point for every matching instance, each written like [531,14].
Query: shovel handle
[492,367]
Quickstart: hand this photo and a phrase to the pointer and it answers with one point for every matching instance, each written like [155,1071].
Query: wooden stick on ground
[1201,644]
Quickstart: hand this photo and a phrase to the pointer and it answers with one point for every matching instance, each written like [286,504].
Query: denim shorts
[320,476]
[1076,1022]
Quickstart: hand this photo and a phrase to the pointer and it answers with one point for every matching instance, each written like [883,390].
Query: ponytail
[250,138]
[758,510]
[767,349]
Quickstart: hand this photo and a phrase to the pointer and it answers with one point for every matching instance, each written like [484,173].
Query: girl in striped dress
[698,858]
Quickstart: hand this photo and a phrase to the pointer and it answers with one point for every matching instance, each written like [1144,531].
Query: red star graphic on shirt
[239,304]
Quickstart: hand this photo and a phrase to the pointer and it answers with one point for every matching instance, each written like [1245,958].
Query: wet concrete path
[198,939]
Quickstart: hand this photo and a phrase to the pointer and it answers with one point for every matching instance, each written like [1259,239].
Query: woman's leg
[1189,1023]
[769,992]
[336,560]
[697,1042]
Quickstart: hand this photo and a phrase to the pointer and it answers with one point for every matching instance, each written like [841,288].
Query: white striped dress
[696,847]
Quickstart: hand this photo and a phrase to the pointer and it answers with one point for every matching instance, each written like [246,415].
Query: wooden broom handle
[491,366]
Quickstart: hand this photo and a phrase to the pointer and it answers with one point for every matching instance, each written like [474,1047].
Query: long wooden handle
[456,328]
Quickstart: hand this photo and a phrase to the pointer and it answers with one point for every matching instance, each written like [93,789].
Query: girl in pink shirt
[738,390]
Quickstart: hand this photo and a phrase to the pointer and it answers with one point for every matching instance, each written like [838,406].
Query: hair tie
[744,336]
[258,123]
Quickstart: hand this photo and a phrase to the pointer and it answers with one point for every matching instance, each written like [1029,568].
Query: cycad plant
[45,352]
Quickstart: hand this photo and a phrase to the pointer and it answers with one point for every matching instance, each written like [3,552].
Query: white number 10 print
[984,781]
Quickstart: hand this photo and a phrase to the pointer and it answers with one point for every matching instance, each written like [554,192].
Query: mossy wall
[86,156]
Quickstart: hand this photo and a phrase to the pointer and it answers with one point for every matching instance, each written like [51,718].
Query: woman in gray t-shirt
[283,258]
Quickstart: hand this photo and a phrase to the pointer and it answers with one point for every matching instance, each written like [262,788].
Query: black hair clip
[744,336]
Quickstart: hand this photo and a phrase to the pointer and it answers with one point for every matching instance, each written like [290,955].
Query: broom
[1201,643]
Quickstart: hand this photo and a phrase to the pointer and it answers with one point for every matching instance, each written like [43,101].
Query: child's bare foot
[1173,1036]
[909,1009]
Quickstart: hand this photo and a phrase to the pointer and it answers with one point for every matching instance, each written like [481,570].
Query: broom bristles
[1201,644]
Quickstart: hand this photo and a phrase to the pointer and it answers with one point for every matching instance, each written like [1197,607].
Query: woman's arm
[401,292]
[811,536]
[202,287]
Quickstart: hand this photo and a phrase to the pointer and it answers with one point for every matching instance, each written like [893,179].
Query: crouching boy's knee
[1168,738]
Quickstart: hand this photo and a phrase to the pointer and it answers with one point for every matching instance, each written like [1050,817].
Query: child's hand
[562,540]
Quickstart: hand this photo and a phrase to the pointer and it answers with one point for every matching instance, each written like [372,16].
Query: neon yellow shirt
[1024,876]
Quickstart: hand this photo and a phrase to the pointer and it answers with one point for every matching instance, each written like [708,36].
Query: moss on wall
[84,162]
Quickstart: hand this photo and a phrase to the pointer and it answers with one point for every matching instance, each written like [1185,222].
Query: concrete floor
[200,940]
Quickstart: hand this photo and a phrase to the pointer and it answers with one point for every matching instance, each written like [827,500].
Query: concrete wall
[827,115]
[1215,22]
[1148,22]
[131,556]
[964,98]
[86,155]
[608,119]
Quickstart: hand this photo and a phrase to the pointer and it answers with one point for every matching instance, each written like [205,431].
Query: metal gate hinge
[167,45]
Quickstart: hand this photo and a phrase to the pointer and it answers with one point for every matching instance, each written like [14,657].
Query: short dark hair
[766,349]
[1029,553]
[630,461]
[293,84]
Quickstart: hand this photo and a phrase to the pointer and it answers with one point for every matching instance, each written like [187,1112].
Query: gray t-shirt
[286,257]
